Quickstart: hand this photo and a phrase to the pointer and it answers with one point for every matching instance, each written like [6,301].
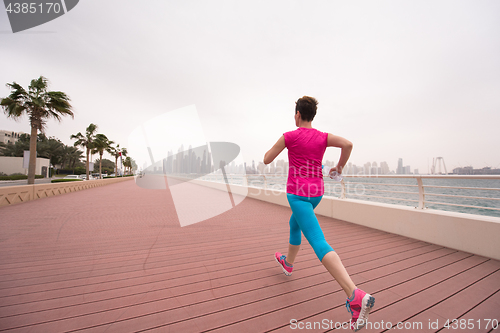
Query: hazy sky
[400,79]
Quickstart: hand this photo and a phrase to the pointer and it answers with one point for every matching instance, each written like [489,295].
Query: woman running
[305,188]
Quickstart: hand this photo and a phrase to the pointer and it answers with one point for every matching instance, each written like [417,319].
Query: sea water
[389,190]
[435,190]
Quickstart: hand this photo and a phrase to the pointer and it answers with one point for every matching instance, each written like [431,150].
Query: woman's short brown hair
[307,107]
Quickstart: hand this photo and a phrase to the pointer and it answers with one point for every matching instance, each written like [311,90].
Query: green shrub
[118,176]
[66,180]
[74,171]
[13,177]
[18,177]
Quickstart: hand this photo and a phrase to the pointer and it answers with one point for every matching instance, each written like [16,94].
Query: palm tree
[39,104]
[51,148]
[86,141]
[66,155]
[70,156]
[100,144]
[117,152]
[128,163]
[123,153]
[74,157]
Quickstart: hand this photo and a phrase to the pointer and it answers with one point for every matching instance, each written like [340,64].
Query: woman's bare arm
[346,147]
[275,150]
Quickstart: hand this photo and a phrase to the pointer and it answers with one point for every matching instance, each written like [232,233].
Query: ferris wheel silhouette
[437,161]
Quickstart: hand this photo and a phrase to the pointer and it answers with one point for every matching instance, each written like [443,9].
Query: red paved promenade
[114,259]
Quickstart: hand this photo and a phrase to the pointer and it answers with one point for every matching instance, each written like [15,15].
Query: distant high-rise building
[280,167]
[469,170]
[349,170]
[356,170]
[400,170]
[407,170]
[169,163]
[261,168]
[384,168]
[366,168]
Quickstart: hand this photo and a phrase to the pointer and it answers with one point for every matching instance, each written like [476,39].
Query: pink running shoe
[359,305]
[285,266]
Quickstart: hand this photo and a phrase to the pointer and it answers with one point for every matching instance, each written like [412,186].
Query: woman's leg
[359,303]
[303,213]
[332,263]
[295,240]
[292,253]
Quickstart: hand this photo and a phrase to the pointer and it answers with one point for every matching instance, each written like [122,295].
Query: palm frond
[39,84]
[90,131]
[100,143]
[38,103]
[17,90]
[60,102]
[12,108]
[76,136]
[80,140]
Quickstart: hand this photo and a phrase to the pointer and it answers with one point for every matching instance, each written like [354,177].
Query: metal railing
[424,194]
[413,190]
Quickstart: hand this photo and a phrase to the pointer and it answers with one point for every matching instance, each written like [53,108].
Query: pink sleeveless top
[306,147]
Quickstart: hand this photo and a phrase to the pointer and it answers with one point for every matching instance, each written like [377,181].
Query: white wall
[10,165]
[471,233]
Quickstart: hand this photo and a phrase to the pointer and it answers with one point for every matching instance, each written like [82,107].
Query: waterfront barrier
[471,233]
[399,190]
[11,195]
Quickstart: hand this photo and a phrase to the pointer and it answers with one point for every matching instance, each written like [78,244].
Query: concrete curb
[11,195]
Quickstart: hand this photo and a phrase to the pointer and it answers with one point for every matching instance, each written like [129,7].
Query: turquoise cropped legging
[304,220]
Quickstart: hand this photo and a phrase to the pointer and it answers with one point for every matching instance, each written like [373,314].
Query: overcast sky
[400,79]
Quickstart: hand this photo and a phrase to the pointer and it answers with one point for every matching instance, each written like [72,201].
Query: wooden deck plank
[458,304]
[133,300]
[419,301]
[486,310]
[304,311]
[247,312]
[115,265]
[270,262]
[45,313]
[313,260]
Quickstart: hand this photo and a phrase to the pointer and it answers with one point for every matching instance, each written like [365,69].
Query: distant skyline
[383,166]
[400,79]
